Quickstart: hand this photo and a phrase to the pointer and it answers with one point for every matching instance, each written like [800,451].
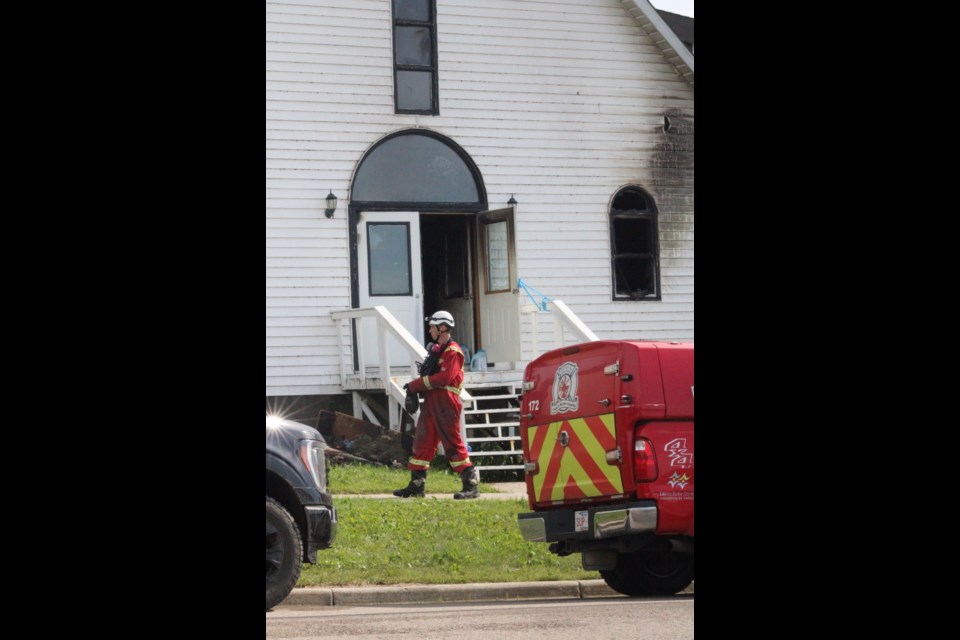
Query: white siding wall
[560,103]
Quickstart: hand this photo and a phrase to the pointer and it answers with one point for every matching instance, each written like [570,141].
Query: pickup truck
[608,451]
[301,518]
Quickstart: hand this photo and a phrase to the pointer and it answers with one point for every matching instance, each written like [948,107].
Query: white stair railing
[563,320]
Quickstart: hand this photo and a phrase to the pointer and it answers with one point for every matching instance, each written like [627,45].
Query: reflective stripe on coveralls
[456,390]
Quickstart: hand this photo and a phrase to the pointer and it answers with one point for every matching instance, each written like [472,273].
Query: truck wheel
[284,553]
[650,573]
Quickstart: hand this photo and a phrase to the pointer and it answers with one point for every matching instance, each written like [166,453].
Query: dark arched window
[635,246]
[418,167]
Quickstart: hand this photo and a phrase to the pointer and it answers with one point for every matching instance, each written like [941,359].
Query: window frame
[485,239]
[649,214]
[370,269]
[434,109]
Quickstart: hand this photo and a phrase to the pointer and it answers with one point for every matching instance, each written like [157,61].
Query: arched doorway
[422,239]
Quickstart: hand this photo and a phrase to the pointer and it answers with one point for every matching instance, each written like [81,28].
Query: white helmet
[441,317]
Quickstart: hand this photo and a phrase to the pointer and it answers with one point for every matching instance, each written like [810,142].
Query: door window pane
[388,246]
[498,269]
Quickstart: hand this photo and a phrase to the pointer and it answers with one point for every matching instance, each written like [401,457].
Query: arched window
[418,167]
[635,246]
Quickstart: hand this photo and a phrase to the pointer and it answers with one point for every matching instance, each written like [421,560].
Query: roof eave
[663,36]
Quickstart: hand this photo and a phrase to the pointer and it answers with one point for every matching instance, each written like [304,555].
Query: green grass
[384,541]
[381,542]
[365,479]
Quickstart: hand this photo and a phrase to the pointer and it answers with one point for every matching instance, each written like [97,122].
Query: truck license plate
[581,521]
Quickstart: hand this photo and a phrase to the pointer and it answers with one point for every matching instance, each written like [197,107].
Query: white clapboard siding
[560,103]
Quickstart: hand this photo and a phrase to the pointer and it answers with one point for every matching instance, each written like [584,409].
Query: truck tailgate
[569,427]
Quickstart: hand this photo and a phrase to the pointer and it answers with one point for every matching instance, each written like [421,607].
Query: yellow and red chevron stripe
[579,470]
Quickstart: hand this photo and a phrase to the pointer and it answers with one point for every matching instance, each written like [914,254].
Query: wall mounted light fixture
[331,205]
[512,201]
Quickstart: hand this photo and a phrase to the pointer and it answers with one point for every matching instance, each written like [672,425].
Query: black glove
[411,403]
[405,386]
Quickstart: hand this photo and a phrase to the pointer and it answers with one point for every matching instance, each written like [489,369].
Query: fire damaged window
[415,56]
[633,239]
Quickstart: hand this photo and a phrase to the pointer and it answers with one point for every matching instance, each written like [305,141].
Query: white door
[388,257]
[498,295]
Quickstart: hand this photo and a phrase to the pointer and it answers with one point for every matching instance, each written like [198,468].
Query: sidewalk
[508,491]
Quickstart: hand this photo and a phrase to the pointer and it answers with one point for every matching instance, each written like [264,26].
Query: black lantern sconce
[331,205]
[512,201]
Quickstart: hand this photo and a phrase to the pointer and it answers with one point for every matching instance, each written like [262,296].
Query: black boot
[471,484]
[418,480]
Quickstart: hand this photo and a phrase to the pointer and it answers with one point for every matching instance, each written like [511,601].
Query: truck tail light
[644,461]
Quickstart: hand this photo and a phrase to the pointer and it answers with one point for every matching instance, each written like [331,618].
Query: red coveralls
[440,413]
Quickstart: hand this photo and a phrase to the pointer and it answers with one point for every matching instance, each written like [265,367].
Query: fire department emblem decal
[565,389]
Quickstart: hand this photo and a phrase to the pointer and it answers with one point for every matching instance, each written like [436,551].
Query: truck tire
[284,553]
[650,573]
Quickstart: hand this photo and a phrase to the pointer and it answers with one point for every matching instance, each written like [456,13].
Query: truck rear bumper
[596,523]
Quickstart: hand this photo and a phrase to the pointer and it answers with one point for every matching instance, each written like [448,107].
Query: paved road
[447,593]
[598,619]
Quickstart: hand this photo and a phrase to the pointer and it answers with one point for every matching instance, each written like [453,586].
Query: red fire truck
[607,431]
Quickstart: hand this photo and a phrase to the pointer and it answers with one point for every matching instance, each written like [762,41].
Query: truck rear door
[569,426]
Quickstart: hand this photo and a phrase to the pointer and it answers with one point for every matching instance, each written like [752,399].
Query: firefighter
[441,382]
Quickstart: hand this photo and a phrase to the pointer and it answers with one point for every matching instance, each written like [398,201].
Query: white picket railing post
[341,348]
[361,351]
